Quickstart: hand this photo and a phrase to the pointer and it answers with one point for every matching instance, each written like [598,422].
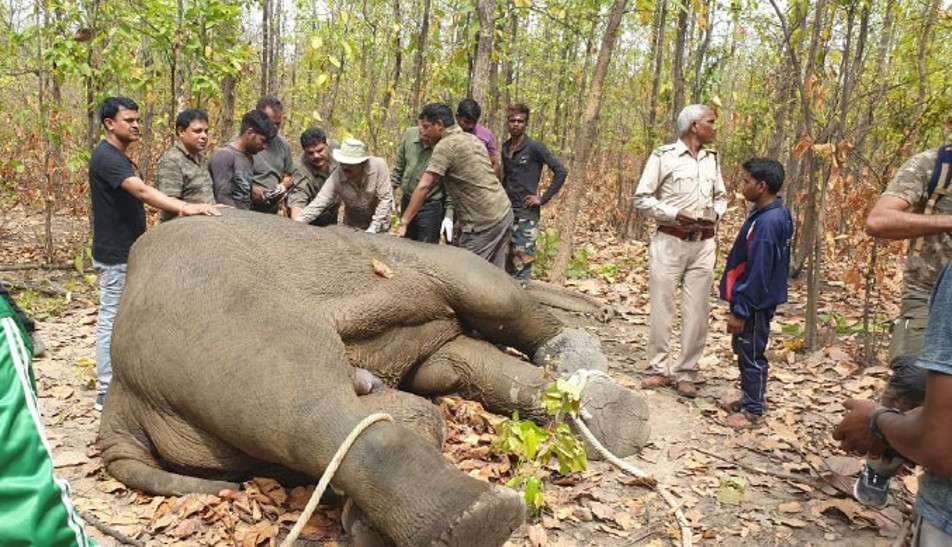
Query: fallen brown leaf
[790,507]
[382,269]
[537,535]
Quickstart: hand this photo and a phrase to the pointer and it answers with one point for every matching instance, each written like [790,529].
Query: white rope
[329,474]
[582,376]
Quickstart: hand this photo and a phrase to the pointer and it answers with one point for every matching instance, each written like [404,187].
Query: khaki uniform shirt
[411,162]
[366,206]
[673,180]
[926,258]
[306,183]
[468,176]
[183,176]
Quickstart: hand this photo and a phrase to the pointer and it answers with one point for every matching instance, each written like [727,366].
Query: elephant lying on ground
[235,351]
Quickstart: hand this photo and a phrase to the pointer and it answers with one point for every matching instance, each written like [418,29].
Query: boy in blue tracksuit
[755,282]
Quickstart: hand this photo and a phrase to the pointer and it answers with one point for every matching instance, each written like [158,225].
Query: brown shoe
[656,381]
[687,389]
[743,420]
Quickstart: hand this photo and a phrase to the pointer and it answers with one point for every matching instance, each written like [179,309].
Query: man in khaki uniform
[362,183]
[183,170]
[482,206]
[309,175]
[681,187]
[900,213]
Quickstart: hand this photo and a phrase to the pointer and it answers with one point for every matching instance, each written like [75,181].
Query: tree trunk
[226,126]
[391,90]
[49,175]
[928,17]
[177,70]
[275,62]
[266,43]
[419,61]
[508,68]
[583,141]
[701,52]
[635,224]
[677,67]
[484,48]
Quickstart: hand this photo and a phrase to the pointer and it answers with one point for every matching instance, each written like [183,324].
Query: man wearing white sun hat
[362,183]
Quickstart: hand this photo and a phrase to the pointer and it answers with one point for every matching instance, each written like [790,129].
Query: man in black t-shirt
[119,218]
[522,162]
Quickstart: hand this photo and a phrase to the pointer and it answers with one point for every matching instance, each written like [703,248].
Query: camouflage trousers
[525,232]
[908,335]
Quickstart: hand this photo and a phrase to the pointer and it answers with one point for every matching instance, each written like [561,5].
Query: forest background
[840,91]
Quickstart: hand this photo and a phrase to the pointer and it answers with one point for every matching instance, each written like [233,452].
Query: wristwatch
[874,418]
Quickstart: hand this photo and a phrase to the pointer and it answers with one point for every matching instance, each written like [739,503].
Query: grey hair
[690,114]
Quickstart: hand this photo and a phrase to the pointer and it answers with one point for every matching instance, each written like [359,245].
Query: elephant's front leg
[477,370]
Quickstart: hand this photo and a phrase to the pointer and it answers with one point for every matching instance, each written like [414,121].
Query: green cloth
[411,162]
[460,159]
[35,506]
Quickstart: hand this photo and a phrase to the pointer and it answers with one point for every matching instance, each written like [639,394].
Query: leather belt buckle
[694,236]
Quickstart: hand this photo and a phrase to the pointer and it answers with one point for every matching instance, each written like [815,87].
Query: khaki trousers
[690,264]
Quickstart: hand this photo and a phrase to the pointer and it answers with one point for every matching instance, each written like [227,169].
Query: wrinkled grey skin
[236,351]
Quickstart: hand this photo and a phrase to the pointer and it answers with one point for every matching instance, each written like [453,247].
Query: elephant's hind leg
[478,371]
[128,458]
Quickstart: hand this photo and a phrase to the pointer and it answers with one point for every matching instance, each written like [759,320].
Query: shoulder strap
[938,185]
[941,171]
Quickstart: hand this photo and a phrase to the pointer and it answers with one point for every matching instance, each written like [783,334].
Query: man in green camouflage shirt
[436,215]
[183,170]
[900,213]
[309,176]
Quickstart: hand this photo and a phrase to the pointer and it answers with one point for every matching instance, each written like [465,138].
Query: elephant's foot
[617,416]
[488,522]
[571,350]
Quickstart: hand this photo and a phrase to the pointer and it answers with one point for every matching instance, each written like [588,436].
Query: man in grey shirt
[273,165]
[922,435]
[232,167]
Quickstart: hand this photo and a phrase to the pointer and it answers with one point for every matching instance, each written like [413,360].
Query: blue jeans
[750,347]
[112,280]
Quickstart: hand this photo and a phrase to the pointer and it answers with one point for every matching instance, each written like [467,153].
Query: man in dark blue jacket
[755,283]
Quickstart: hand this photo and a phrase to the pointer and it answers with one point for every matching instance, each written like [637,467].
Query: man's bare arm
[145,193]
[891,219]
[925,434]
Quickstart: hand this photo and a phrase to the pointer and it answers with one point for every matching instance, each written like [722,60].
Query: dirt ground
[782,484]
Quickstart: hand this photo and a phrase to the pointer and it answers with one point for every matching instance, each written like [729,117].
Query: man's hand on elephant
[447,228]
[854,431]
[192,209]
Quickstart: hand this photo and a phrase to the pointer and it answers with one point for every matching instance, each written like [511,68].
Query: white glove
[447,229]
